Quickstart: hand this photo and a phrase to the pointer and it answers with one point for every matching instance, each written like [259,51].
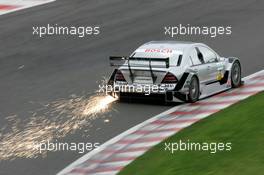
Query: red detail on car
[169,79]
[119,76]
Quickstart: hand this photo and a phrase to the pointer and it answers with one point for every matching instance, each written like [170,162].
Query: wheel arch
[231,61]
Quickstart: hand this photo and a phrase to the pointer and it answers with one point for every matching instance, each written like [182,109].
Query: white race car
[178,71]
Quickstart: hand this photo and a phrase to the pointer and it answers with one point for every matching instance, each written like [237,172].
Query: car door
[198,65]
[211,62]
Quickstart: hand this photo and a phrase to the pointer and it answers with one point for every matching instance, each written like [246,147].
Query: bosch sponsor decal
[159,50]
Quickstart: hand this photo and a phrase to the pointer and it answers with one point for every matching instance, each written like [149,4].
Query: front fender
[230,61]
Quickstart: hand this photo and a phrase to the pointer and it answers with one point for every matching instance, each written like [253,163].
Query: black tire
[236,74]
[194,90]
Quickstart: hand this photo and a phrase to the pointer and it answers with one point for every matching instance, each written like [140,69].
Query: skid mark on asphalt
[115,154]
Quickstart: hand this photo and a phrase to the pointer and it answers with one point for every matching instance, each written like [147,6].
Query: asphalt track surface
[58,66]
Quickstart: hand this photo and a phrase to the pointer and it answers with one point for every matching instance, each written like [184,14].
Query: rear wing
[125,61]
[121,61]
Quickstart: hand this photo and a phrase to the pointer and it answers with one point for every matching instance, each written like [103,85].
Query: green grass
[242,124]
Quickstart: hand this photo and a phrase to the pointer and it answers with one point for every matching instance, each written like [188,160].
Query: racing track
[56,67]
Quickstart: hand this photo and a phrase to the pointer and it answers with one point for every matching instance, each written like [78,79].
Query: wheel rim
[194,89]
[236,74]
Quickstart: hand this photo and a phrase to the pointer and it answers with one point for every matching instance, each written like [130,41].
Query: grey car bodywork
[149,64]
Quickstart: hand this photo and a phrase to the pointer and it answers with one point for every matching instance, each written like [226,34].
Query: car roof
[175,45]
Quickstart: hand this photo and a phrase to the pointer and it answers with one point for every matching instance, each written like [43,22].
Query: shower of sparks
[98,104]
[20,139]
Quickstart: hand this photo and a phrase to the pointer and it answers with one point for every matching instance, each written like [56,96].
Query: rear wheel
[236,75]
[194,90]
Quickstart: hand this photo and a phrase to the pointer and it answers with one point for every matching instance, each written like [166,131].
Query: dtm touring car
[175,70]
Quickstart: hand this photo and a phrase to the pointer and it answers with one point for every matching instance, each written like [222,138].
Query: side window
[208,55]
[179,60]
[194,59]
[175,60]
[200,55]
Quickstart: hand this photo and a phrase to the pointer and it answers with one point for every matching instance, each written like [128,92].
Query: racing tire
[236,74]
[194,90]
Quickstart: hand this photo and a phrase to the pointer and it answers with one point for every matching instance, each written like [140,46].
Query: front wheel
[236,75]
[194,90]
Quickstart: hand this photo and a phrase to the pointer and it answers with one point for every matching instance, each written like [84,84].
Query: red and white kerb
[115,154]
[8,6]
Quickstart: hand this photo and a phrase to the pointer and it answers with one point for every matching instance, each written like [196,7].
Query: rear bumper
[167,94]
[145,89]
